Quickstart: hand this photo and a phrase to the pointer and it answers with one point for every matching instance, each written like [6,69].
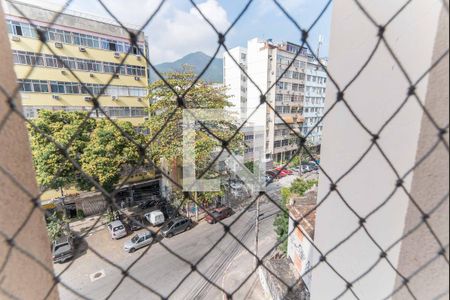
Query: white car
[138,241]
[155,218]
[117,230]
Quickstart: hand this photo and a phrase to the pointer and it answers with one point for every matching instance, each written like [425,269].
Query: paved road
[222,259]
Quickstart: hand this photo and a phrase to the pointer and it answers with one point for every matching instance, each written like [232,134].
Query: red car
[219,214]
[284,172]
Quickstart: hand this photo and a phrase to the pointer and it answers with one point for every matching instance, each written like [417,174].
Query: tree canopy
[166,120]
[97,146]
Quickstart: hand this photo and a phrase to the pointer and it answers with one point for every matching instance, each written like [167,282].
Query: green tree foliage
[305,155]
[167,118]
[98,147]
[250,166]
[53,169]
[57,226]
[299,187]
[108,151]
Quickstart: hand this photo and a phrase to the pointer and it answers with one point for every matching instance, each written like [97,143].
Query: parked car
[63,249]
[147,204]
[313,166]
[138,241]
[237,184]
[284,171]
[218,214]
[169,211]
[155,218]
[135,223]
[117,230]
[297,169]
[176,226]
[305,169]
[272,174]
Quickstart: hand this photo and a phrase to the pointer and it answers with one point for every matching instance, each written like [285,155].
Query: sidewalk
[236,275]
[90,224]
[240,268]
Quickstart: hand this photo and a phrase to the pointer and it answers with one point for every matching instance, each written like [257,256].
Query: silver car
[117,230]
[138,241]
[176,226]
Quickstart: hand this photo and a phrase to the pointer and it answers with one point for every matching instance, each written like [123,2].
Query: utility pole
[196,207]
[257,231]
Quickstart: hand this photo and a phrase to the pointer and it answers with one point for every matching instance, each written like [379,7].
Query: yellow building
[90,51]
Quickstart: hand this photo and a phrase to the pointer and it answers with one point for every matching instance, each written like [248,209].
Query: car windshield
[135,239]
[57,247]
[118,228]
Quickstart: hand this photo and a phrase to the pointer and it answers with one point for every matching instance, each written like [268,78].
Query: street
[227,265]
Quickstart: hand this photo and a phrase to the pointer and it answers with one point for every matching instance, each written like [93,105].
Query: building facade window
[32,112]
[37,59]
[74,38]
[42,86]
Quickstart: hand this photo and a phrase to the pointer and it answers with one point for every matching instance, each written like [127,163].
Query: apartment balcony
[291,119]
[285,148]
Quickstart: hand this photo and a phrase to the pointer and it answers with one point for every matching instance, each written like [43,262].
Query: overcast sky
[178,28]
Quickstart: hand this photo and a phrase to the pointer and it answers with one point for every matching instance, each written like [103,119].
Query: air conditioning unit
[116,76]
[140,99]
[64,72]
[59,45]
[56,97]
[117,55]
[139,57]
[16,38]
[146,118]
[92,75]
[88,99]
[82,49]
[137,78]
[115,98]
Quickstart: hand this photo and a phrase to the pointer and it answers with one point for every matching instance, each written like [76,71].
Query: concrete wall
[300,251]
[22,277]
[375,96]
[430,185]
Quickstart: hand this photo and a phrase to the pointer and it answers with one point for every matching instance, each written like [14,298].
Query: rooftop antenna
[319,46]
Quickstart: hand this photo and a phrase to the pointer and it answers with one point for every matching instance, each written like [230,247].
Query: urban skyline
[178,29]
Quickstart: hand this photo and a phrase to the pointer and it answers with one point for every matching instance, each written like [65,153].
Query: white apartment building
[265,62]
[236,80]
[314,105]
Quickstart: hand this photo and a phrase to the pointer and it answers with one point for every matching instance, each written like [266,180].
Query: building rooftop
[48,10]
[302,209]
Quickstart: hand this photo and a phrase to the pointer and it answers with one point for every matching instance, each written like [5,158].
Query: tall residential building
[234,64]
[314,105]
[265,63]
[92,49]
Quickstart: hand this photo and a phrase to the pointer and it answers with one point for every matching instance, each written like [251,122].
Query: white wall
[300,247]
[374,97]
[257,65]
[233,80]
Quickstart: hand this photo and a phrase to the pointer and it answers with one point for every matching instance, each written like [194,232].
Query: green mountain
[198,61]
